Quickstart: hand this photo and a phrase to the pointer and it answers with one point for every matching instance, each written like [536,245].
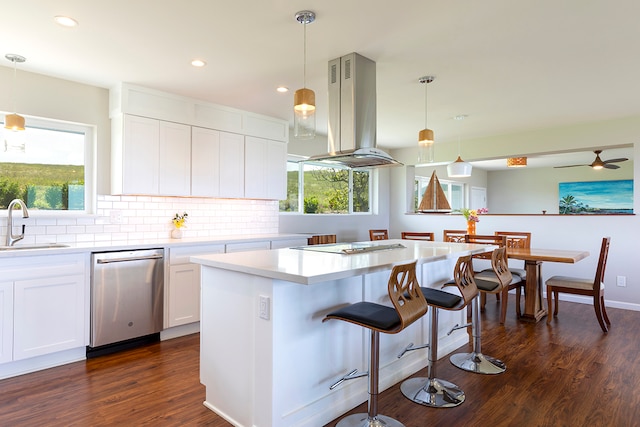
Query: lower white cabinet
[44,306]
[6,322]
[183,287]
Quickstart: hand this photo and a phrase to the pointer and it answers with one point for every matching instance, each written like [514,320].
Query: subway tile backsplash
[122,219]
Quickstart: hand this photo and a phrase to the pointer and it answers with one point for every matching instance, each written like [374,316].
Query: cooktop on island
[350,248]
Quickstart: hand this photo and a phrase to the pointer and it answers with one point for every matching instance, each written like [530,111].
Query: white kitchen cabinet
[231,165]
[48,315]
[174,159]
[183,287]
[248,246]
[265,169]
[44,303]
[288,243]
[6,322]
[151,156]
[205,162]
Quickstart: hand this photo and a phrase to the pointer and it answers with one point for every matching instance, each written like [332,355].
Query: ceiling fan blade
[608,166]
[569,166]
[621,159]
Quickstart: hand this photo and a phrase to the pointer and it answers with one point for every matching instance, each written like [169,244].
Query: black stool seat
[440,298]
[370,315]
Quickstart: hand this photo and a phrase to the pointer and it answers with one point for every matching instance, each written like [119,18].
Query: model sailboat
[434,199]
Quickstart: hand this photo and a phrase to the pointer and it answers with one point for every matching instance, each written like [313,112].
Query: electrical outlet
[263,310]
[621,281]
[115,217]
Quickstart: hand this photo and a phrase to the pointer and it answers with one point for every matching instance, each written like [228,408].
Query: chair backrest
[516,239]
[500,266]
[321,239]
[463,277]
[456,236]
[487,239]
[410,235]
[602,263]
[378,234]
[405,294]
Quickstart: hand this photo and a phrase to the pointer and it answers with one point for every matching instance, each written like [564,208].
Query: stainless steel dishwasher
[126,299]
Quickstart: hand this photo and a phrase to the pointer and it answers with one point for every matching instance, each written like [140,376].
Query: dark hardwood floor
[566,374]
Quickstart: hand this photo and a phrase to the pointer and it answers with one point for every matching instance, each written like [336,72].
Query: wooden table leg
[533,308]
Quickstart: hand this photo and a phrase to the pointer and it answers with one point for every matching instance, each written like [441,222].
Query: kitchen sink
[34,246]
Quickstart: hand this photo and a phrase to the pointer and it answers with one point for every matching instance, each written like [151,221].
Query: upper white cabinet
[163,144]
[151,156]
[232,152]
[205,162]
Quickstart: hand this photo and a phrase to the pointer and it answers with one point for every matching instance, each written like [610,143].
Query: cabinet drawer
[181,255]
[248,246]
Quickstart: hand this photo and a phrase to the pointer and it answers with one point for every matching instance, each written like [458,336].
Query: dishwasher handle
[125,259]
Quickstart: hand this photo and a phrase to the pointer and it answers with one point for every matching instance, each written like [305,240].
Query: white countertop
[146,244]
[308,267]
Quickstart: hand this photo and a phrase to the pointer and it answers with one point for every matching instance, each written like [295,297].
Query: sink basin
[34,246]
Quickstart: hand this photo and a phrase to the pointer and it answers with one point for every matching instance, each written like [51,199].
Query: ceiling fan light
[14,122]
[516,162]
[459,169]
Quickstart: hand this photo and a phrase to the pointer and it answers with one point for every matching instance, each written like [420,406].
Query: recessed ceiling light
[282,89]
[65,21]
[198,63]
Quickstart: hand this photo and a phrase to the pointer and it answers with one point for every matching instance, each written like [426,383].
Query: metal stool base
[433,392]
[478,363]
[362,420]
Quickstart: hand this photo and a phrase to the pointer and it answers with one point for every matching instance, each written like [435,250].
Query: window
[46,166]
[326,190]
[453,190]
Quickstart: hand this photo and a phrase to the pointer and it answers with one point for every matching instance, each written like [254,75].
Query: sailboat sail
[434,199]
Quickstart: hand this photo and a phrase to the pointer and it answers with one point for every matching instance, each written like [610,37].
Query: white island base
[267,360]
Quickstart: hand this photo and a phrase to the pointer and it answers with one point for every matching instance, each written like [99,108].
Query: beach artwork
[596,197]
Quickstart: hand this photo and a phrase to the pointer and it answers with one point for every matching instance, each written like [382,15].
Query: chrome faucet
[11,238]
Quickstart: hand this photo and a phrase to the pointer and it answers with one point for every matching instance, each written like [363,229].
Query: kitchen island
[267,360]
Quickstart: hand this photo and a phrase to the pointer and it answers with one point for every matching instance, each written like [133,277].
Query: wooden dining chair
[378,235]
[456,236]
[411,235]
[589,287]
[322,239]
[517,239]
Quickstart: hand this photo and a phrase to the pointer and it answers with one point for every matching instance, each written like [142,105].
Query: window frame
[90,162]
[350,188]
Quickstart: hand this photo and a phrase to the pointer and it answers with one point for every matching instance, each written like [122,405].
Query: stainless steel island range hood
[352,115]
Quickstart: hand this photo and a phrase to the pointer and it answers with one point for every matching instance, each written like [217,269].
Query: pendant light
[14,121]
[459,168]
[304,100]
[516,162]
[425,136]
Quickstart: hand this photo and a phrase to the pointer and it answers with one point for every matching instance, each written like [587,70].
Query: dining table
[533,258]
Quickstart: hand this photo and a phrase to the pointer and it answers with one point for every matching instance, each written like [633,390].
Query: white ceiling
[509,65]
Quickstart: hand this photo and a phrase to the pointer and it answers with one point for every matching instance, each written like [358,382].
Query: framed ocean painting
[596,197]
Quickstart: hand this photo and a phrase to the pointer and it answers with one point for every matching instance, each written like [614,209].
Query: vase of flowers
[179,222]
[473,217]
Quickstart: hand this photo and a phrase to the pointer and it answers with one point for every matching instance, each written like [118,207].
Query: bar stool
[490,281]
[409,305]
[433,391]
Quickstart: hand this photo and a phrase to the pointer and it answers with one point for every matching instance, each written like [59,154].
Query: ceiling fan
[598,163]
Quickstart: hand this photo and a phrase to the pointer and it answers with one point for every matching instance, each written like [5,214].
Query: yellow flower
[179,221]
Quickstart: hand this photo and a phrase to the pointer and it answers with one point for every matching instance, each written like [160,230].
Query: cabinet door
[255,168]
[174,159]
[48,315]
[184,294]
[205,162]
[140,155]
[232,165]
[6,322]
[265,169]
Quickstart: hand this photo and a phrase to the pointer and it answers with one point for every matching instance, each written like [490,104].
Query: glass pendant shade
[304,114]
[425,146]
[14,122]
[459,169]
